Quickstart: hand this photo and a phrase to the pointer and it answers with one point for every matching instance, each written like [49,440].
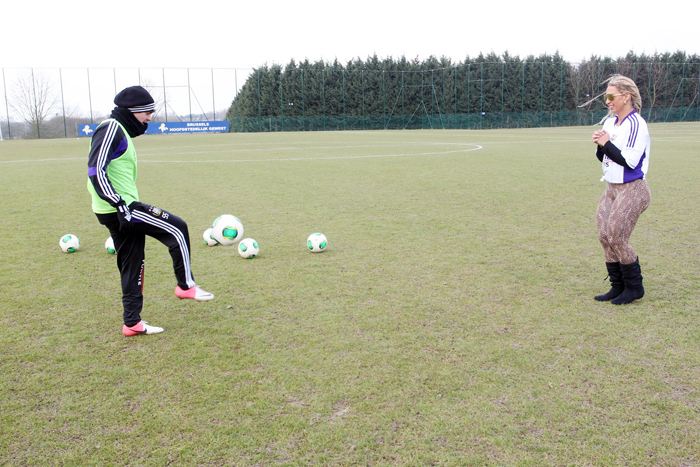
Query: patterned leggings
[618,211]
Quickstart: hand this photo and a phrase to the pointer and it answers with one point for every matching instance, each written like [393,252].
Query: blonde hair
[626,86]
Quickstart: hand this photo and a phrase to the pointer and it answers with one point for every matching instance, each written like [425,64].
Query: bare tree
[34,99]
[584,81]
[658,77]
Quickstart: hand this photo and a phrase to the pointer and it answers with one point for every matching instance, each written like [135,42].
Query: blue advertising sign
[164,128]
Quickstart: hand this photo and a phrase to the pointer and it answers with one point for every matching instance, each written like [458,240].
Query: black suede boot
[632,275]
[618,285]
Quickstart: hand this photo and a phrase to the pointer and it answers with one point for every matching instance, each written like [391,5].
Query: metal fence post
[7,108]
[165,95]
[189,93]
[63,104]
[213,99]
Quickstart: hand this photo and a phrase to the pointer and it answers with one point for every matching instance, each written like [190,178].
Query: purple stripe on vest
[121,149]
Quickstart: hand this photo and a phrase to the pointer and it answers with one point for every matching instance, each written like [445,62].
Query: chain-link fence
[50,103]
[471,96]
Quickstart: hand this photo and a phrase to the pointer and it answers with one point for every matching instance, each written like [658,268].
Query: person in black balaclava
[112,167]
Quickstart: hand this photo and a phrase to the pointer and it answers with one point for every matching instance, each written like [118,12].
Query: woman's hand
[600,137]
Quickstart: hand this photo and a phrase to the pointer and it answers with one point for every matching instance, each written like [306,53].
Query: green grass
[450,321]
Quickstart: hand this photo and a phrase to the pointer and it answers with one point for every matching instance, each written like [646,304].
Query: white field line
[474,147]
[45,160]
[143,158]
[145,153]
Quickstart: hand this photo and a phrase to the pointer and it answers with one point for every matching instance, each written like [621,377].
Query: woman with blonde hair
[623,147]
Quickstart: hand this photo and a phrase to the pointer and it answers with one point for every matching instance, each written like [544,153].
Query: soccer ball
[227,229]
[109,246]
[317,242]
[248,248]
[69,243]
[208,239]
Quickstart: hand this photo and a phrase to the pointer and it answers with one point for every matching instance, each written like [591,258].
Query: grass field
[450,322]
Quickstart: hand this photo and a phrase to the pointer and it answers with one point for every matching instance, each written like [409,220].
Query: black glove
[125,218]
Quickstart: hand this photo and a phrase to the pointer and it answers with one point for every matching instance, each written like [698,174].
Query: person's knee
[617,243]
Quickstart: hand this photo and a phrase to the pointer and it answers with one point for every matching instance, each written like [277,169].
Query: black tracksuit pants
[153,222]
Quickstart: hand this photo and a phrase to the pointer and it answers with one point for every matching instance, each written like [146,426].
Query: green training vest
[122,174]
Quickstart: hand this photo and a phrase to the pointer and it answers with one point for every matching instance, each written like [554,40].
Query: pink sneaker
[195,293]
[141,327]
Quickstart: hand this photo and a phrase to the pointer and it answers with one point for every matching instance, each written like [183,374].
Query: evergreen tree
[482,92]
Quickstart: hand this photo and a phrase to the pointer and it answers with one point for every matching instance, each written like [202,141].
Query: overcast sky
[247,34]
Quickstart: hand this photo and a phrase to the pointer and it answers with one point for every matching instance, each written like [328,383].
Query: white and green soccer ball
[208,239]
[227,229]
[317,242]
[248,248]
[109,246]
[69,243]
